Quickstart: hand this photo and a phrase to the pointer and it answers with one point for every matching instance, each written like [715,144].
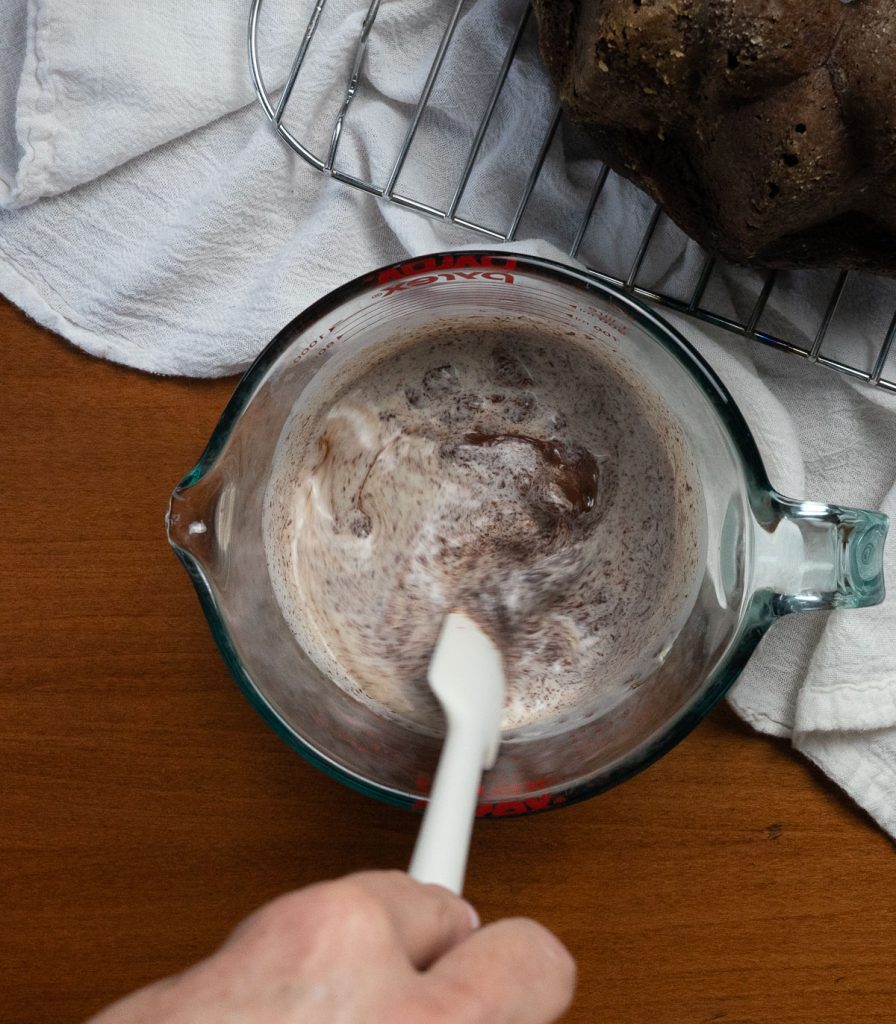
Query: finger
[511,972]
[427,920]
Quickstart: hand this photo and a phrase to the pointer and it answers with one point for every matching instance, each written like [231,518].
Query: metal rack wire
[824,341]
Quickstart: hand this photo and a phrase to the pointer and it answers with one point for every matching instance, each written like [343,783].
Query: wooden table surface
[145,808]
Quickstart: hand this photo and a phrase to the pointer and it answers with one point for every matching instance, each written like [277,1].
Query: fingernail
[474,917]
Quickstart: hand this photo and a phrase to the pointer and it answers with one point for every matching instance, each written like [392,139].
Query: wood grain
[146,808]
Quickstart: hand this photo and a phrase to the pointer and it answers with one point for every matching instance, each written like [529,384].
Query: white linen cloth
[151,216]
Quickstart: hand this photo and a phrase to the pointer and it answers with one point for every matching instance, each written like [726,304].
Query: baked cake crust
[765,128]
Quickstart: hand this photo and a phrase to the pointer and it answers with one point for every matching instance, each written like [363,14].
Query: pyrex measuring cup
[766,555]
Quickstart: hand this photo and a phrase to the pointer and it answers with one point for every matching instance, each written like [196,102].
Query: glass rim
[755,618]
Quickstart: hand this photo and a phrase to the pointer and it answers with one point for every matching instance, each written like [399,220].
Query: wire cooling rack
[842,320]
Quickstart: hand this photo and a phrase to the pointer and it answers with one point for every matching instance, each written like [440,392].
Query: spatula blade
[466,673]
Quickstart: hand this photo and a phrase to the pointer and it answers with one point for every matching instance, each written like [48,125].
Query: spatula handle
[443,844]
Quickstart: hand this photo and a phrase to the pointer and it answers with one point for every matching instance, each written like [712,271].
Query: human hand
[371,948]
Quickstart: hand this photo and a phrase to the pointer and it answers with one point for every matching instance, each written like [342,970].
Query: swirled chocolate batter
[522,478]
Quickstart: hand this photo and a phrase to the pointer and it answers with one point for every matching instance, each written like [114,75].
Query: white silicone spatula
[467,675]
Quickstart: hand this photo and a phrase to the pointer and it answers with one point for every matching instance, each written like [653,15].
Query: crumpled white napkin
[152,217]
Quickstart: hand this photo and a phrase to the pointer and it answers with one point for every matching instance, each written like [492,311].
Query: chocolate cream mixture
[519,477]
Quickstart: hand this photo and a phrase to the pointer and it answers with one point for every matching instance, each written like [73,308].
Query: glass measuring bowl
[766,555]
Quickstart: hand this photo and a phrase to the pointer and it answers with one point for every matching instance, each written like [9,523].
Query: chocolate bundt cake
[765,128]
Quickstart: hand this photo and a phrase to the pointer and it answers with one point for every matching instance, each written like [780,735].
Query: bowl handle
[813,555]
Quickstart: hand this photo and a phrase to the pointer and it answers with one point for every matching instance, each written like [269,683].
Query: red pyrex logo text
[443,269]
[510,808]
[501,808]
